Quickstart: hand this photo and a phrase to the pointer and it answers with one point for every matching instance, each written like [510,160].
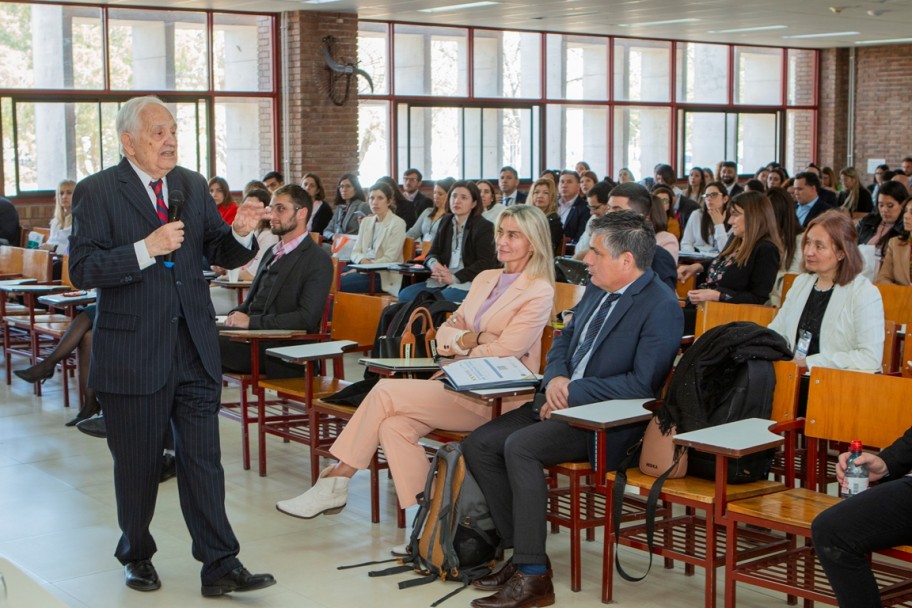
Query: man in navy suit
[620,344]
[155,359]
[509,182]
[809,201]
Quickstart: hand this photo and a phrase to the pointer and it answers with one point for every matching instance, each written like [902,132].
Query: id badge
[804,343]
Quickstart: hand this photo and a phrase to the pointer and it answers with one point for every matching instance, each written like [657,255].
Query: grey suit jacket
[298,295]
[139,311]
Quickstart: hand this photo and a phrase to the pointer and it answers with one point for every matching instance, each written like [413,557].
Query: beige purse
[659,453]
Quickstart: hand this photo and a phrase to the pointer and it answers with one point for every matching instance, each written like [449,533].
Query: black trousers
[846,533]
[236,358]
[137,426]
[507,457]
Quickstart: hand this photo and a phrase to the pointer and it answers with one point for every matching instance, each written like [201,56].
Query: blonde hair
[851,201]
[534,226]
[64,219]
[552,189]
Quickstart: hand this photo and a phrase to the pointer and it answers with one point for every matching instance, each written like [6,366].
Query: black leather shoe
[238,579]
[141,576]
[169,469]
[32,374]
[94,427]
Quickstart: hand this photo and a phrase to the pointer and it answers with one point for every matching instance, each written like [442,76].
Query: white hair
[128,116]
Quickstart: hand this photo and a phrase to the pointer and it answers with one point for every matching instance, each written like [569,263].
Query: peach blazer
[895,267]
[518,318]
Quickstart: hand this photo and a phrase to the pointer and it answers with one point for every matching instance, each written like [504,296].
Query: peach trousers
[395,415]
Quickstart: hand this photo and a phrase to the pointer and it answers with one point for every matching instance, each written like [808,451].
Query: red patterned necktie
[160,208]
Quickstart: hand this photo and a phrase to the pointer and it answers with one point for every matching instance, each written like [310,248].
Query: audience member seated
[707,228]
[790,235]
[9,223]
[755,185]
[775,178]
[658,217]
[425,227]
[828,180]
[349,208]
[322,209]
[828,197]
[490,207]
[636,198]
[896,262]
[879,518]
[620,344]
[745,271]
[625,175]
[879,178]
[399,204]
[462,248]
[807,196]
[503,315]
[380,241]
[665,196]
[273,181]
[728,175]
[683,206]
[854,197]
[708,176]
[62,223]
[582,166]
[221,194]
[509,182]
[411,189]
[597,198]
[544,196]
[571,206]
[587,180]
[696,184]
[290,288]
[884,222]
[833,316]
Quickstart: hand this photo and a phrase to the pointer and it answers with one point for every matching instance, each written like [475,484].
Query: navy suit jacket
[136,326]
[519,197]
[819,208]
[576,219]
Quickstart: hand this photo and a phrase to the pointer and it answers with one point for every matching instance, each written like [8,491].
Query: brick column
[832,133]
[322,137]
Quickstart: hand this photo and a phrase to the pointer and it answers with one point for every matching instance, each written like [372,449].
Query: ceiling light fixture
[456,7]
[651,23]
[319,1]
[762,28]
[828,35]
[890,41]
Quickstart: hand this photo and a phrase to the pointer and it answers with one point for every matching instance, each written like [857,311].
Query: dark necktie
[160,208]
[595,326]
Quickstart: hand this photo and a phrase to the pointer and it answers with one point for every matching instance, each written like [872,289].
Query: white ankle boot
[327,497]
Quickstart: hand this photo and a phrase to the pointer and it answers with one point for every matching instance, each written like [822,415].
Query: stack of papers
[488,372]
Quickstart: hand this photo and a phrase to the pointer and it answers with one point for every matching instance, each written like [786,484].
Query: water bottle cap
[855,446]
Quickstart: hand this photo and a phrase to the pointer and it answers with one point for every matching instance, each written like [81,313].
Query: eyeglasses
[595,207]
[711,195]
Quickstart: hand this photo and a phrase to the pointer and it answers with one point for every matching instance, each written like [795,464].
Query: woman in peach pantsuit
[503,314]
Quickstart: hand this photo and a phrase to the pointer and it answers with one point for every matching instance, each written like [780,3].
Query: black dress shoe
[169,468]
[33,374]
[141,576]
[238,579]
[94,427]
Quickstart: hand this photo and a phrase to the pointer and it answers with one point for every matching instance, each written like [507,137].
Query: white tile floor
[58,524]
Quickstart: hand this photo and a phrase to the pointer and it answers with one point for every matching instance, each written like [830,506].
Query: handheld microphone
[175,209]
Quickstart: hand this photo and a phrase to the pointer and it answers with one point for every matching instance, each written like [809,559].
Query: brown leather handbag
[424,342]
[659,453]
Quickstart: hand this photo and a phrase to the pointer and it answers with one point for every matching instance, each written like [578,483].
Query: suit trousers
[846,533]
[395,415]
[507,457]
[137,426]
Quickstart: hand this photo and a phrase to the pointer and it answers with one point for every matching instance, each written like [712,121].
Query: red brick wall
[322,137]
[883,97]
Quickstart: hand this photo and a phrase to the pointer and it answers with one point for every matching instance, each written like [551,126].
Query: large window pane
[243,139]
[802,65]
[373,58]
[242,53]
[642,70]
[577,67]
[702,73]
[433,140]
[158,50]
[44,144]
[758,76]
[48,46]
[758,136]
[192,135]
[507,64]
[576,133]
[373,140]
[799,139]
[9,149]
[707,139]
[431,61]
[641,138]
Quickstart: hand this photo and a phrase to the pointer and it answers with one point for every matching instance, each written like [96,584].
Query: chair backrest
[906,363]
[566,296]
[356,317]
[713,314]
[36,264]
[317,237]
[897,302]
[45,232]
[408,248]
[785,396]
[846,405]
[546,342]
[10,259]
[787,281]
[65,271]
[682,288]
[890,364]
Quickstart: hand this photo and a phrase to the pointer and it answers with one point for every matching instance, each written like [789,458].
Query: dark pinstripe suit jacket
[138,310]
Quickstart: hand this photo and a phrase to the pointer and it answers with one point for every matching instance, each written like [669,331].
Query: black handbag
[571,271]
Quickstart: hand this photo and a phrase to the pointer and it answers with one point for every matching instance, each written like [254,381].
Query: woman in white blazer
[833,315]
[380,240]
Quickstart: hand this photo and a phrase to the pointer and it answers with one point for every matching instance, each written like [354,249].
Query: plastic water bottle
[856,475]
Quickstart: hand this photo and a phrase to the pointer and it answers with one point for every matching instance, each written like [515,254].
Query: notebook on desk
[487,373]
